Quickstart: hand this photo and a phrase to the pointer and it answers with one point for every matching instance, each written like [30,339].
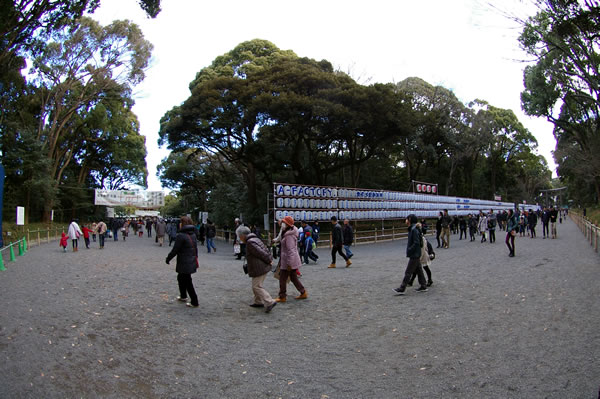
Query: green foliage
[259,114]
[563,85]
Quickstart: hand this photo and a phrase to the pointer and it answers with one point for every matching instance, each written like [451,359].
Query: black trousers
[426,269]
[532,229]
[414,266]
[437,237]
[186,287]
[463,231]
[101,238]
[337,249]
[546,229]
[510,242]
[492,235]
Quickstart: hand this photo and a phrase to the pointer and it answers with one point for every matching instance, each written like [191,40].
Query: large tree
[563,83]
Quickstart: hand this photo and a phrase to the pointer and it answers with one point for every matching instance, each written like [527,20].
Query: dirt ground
[105,323]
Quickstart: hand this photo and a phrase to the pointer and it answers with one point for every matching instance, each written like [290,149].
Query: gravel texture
[105,323]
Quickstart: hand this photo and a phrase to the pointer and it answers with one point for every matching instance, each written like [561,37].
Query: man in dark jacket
[348,234]
[413,253]
[149,227]
[186,250]
[446,222]
[337,243]
[259,265]
[532,220]
[546,223]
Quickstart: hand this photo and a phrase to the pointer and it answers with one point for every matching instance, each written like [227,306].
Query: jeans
[463,231]
[348,251]
[414,266]
[310,254]
[210,244]
[337,249]
[116,234]
[510,242]
[283,276]
[492,236]
[101,238]
[87,242]
[186,287]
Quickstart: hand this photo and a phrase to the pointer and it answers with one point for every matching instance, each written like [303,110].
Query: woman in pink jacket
[290,260]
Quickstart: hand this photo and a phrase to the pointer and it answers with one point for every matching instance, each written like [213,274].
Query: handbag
[237,249]
[245,267]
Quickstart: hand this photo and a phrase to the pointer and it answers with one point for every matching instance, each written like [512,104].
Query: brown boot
[348,263]
[304,295]
[332,266]
[280,300]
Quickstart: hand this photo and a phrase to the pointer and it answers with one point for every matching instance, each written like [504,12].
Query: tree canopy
[259,114]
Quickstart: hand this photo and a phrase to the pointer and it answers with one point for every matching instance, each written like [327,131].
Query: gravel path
[106,324]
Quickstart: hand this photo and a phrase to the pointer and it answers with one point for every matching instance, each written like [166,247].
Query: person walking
[259,261]
[532,222]
[64,241]
[413,253]
[446,222]
[94,229]
[337,243]
[427,255]
[492,222]
[74,232]
[348,234]
[289,260]
[472,221]
[482,226]
[462,224]
[310,244]
[546,223]
[101,228]
[172,231]
[161,230]
[149,227]
[553,217]
[86,236]
[511,231]
[438,229]
[186,250]
[226,233]
[211,233]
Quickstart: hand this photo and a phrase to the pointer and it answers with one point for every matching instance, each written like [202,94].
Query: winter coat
[532,219]
[289,249]
[413,247]
[161,228]
[73,230]
[172,230]
[186,250]
[211,231]
[86,232]
[258,256]
[512,224]
[337,235]
[63,240]
[101,228]
[446,221]
[483,224]
[425,259]
[348,235]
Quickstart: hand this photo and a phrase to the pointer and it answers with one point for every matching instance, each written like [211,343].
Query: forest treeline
[259,114]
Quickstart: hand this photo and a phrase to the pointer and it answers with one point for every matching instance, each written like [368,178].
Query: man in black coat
[337,243]
[186,250]
[413,253]
[348,234]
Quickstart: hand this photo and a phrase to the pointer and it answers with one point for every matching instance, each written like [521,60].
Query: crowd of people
[295,243]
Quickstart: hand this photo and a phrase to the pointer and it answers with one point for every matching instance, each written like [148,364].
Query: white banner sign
[20,216]
[137,198]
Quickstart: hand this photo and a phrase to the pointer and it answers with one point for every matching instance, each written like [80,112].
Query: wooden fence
[590,230]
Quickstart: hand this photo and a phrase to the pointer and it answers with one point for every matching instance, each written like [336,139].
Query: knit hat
[289,221]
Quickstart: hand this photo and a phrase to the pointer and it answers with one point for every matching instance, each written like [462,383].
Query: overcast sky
[463,45]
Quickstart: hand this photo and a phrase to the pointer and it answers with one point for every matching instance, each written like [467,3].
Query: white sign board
[20,216]
[110,212]
[204,217]
[137,198]
[266,221]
